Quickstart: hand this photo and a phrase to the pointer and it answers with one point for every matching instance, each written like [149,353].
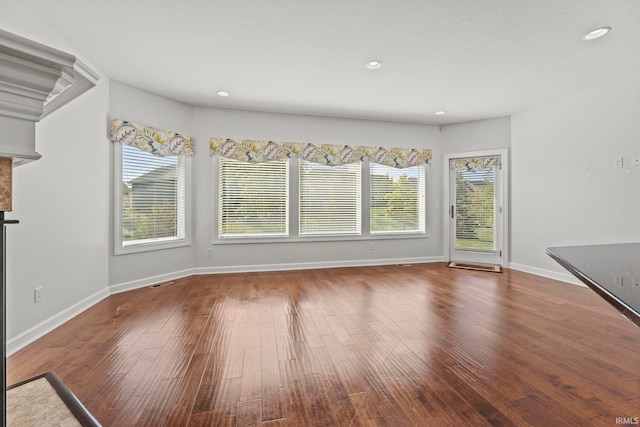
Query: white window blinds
[475,210]
[397,199]
[330,201]
[153,197]
[253,198]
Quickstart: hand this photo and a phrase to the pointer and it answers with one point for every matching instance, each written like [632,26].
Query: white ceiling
[475,59]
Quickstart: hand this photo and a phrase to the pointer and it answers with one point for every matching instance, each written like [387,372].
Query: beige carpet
[43,401]
[36,403]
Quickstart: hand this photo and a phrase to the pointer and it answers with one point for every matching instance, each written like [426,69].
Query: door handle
[452,210]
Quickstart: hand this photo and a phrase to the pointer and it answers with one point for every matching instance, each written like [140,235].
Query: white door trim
[504,198]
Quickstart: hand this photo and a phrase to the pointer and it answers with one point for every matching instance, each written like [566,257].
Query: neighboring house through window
[152,203]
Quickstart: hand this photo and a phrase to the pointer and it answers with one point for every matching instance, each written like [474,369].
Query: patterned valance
[253,151]
[473,164]
[155,141]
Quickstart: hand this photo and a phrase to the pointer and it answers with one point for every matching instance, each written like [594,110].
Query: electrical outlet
[617,281]
[618,162]
[371,247]
[208,251]
[37,294]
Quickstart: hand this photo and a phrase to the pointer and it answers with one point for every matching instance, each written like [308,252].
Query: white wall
[136,105]
[565,189]
[62,204]
[477,136]
[210,122]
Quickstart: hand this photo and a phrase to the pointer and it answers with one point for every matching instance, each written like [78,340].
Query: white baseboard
[148,281]
[563,277]
[43,328]
[314,265]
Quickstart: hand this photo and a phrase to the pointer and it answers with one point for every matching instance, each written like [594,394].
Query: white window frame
[358,207]
[284,235]
[294,205]
[422,194]
[151,244]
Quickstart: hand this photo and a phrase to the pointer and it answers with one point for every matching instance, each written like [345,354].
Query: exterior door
[475,211]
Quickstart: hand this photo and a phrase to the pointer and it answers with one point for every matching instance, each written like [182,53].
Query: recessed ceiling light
[597,33]
[440,113]
[222,93]
[374,65]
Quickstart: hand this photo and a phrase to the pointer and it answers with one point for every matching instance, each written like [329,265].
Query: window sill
[151,246]
[311,239]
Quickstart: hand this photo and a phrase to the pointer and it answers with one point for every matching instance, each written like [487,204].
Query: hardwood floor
[388,346]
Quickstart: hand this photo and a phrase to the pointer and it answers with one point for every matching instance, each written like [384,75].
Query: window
[253,199]
[475,209]
[397,199]
[329,199]
[152,200]
[298,200]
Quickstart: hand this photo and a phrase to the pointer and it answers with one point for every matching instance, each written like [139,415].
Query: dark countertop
[612,271]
